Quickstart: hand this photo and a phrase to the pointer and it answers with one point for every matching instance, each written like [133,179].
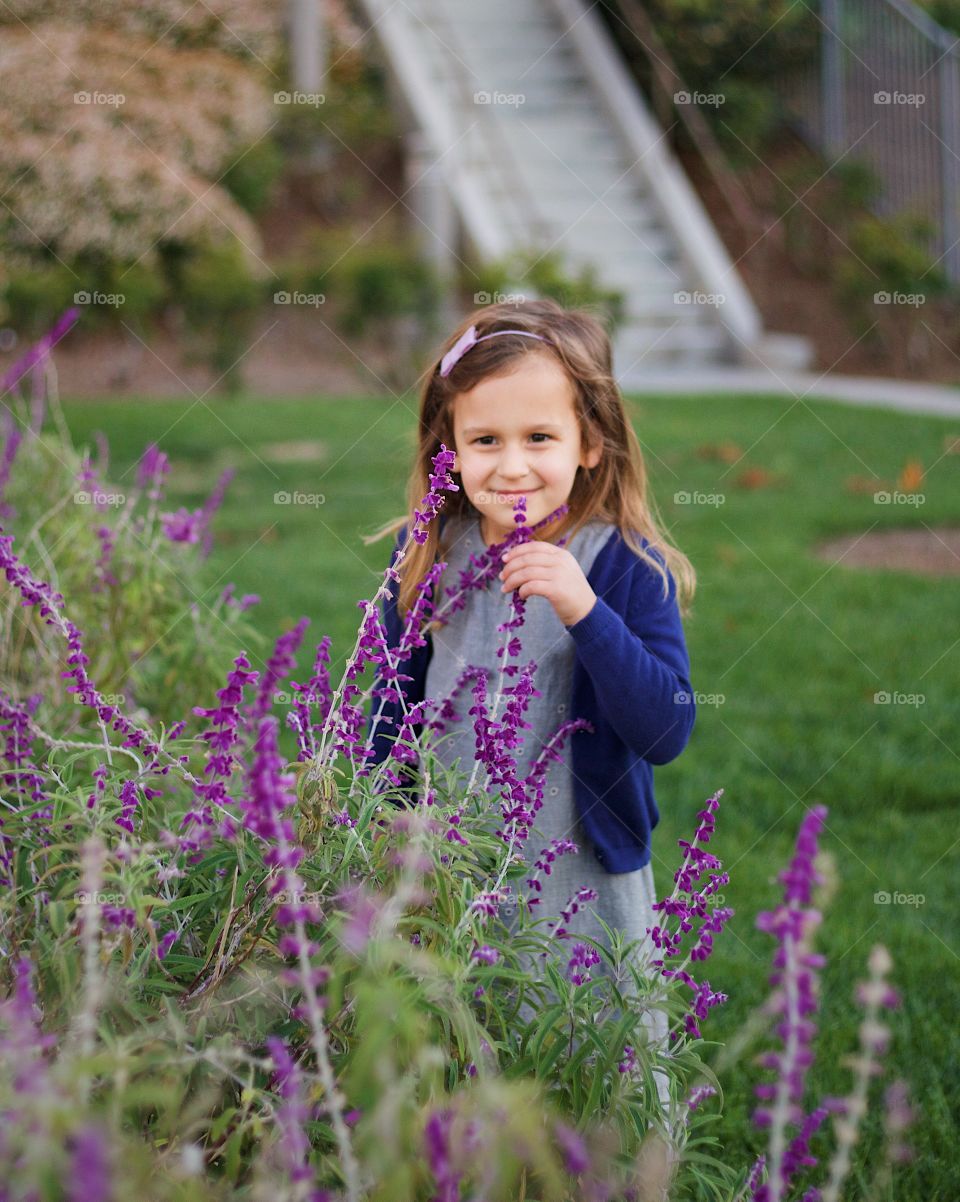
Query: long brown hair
[615,490]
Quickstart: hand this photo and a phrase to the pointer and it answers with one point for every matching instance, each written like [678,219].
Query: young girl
[525,396]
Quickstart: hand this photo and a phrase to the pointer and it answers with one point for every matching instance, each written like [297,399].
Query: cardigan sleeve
[415,667]
[639,666]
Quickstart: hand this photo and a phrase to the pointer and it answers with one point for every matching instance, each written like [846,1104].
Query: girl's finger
[529,558]
[522,575]
[534,587]
[522,549]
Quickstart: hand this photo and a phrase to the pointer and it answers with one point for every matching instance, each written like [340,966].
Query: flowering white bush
[250,29]
[111,143]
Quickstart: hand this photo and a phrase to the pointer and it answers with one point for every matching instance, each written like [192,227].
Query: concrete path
[941,400]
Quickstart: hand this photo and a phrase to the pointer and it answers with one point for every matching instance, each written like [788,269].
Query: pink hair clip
[468,339]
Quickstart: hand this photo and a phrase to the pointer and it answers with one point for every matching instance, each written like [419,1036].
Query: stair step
[538,153]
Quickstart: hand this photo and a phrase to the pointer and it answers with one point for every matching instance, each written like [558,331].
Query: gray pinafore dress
[470,637]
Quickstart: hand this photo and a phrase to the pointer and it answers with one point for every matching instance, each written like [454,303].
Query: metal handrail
[916,159]
[516,188]
[666,77]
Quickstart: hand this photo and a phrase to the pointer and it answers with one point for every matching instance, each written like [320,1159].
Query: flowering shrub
[125,178]
[120,551]
[245,29]
[229,976]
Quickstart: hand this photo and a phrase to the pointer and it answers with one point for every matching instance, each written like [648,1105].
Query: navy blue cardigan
[631,680]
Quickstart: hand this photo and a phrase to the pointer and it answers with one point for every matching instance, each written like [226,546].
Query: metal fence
[885,90]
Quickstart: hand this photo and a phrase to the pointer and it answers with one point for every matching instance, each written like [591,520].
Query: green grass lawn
[796,648]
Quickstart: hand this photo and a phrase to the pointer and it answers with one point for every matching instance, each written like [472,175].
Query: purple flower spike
[440,482]
[575,1155]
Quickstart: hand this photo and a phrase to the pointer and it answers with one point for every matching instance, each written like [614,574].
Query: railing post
[434,217]
[832,105]
[307,49]
[949,81]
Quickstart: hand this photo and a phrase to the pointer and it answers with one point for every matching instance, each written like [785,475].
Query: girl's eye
[482,440]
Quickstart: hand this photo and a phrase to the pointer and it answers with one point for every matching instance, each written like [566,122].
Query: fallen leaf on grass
[725,452]
[756,477]
[911,477]
[865,484]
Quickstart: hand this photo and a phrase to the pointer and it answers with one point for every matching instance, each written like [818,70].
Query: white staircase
[541,141]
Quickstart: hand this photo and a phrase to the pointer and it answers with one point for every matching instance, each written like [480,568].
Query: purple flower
[689,910]
[898,1117]
[35,592]
[151,469]
[794,976]
[362,911]
[440,482]
[89,1177]
[119,916]
[10,447]
[101,570]
[316,693]
[485,954]
[210,507]
[583,959]
[183,526]
[165,944]
[575,1155]
[269,795]
[220,740]
[698,1095]
[129,801]
[557,848]
[438,1147]
[579,899]
[279,666]
[629,1059]
[38,352]
[292,1114]
[489,903]
[22,1043]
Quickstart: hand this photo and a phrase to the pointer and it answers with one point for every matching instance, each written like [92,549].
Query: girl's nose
[513,462]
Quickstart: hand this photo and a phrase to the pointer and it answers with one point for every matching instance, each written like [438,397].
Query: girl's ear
[591,456]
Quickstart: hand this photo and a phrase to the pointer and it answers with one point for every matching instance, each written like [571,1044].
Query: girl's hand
[542,569]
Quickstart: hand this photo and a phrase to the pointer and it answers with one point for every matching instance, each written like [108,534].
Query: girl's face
[518,433]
